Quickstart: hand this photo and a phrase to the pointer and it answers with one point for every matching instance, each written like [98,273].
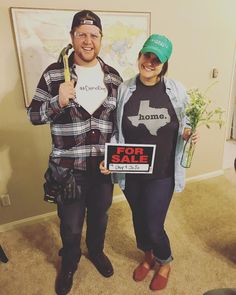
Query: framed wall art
[41,34]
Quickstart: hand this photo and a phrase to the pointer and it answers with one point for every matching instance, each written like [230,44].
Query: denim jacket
[179,100]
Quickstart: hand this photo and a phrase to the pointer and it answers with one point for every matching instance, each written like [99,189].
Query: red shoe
[141,271]
[159,282]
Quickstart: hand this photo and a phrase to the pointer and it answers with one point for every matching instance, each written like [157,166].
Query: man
[80,113]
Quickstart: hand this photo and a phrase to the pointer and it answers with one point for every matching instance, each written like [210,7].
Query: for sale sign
[130,158]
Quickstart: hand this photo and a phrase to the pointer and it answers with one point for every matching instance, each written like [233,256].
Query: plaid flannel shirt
[78,138]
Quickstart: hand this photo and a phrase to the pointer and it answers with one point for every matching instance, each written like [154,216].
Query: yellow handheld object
[64,56]
[66,68]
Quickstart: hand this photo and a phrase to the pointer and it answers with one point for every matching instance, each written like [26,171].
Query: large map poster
[41,34]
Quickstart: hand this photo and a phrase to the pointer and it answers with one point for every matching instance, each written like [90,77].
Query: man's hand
[66,92]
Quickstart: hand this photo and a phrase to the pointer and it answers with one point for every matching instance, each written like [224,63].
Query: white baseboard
[205,176]
[116,199]
[30,220]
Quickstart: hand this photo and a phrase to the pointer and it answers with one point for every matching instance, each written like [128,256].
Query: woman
[158,105]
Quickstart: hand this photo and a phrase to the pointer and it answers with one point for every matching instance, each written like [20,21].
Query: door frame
[232,98]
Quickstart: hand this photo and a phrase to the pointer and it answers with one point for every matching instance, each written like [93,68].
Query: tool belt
[60,186]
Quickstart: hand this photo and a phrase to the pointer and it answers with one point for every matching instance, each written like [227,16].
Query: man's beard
[85,58]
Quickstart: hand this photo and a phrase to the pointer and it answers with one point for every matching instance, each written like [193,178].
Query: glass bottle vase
[188,151]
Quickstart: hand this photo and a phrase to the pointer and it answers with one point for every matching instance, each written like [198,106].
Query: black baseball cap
[86,17]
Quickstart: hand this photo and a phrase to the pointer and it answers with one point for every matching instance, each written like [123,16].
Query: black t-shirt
[149,118]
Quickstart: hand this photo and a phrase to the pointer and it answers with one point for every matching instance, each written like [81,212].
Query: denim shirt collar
[131,84]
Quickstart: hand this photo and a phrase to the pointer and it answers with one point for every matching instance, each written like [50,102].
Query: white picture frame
[40,34]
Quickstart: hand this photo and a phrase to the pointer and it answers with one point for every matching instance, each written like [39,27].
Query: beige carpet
[202,227]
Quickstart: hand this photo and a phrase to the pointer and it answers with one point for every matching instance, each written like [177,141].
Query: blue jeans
[95,203]
[149,201]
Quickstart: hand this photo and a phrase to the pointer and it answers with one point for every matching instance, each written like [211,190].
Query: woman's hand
[195,137]
[188,132]
[104,170]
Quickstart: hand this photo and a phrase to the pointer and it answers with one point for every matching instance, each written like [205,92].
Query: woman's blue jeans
[149,201]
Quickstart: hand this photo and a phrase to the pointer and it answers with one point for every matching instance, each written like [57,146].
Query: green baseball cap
[159,45]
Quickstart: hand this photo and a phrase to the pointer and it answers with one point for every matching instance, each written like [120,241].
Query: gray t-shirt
[149,118]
